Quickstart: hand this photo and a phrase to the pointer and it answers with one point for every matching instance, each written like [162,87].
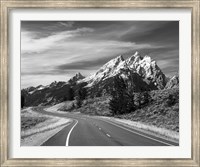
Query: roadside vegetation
[157,109]
[160,109]
[159,116]
[29,122]
[37,127]
[29,119]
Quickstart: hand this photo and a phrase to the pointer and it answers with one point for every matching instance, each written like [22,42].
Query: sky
[57,50]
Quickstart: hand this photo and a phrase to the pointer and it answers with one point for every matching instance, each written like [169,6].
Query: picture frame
[6,6]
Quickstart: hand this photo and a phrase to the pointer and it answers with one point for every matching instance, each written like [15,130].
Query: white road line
[138,133]
[54,134]
[107,135]
[67,141]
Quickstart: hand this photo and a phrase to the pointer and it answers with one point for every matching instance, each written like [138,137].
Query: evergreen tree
[71,94]
[138,99]
[65,98]
[22,101]
[114,106]
[129,102]
[146,98]
[122,100]
[78,102]
[81,92]
[171,100]
[116,92]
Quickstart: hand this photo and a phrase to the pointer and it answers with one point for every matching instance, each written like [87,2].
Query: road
[94,131]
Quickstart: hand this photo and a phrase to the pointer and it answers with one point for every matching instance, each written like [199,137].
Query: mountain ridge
[144,66]
[140,71]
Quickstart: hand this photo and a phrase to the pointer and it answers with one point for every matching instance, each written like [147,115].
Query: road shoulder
[153,131]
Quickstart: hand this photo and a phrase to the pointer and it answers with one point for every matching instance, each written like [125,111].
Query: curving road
[94,131]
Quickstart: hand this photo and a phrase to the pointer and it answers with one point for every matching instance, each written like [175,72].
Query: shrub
[171,100]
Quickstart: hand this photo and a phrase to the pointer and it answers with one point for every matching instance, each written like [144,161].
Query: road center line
[67,141]
[136,132]
[108,135]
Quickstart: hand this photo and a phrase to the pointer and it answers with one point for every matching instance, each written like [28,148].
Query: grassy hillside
[37,127]
[30,119]
[96,106]
[162,111]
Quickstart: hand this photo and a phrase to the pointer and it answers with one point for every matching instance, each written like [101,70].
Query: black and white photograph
[99,83]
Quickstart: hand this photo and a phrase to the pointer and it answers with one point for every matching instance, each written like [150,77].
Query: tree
[171,100]
[117,93]
[138,99]
[122,100]
[81,92]
[130,102]
[65,98]
[78,102]
[71,94]
[146,98]
[80,95]
[114,106]
[22,101]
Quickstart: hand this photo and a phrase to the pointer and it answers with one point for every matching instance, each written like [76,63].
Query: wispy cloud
[57,50]
[31,44]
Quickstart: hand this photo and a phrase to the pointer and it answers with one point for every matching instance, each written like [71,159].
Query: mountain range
[142,72]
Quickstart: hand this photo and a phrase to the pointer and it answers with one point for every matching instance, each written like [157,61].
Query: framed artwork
[100,83]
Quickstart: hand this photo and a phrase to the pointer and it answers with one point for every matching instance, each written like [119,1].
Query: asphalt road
[93,131]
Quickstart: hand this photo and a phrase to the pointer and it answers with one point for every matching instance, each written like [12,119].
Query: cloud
[35,80]
[57,50]
[29,44]
[76,55]
[93,54]
[150,32]
[81,65]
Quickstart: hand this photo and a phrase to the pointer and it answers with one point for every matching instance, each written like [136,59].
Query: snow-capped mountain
[50,94]
[32,89]
[29,89]
[145,67]
[140,74]
[173,82]
[110,69]
[76,78]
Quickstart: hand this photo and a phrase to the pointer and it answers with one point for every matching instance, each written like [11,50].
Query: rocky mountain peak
[173,82]
[133,58]
[79,76]
[39,87]
[145,67]
[147,59]
[29,89]
[136,54]
[74,79]
[120,58]
[113,62]
[53,84]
